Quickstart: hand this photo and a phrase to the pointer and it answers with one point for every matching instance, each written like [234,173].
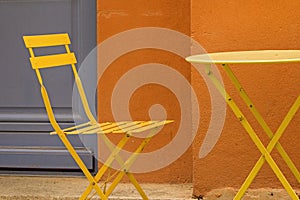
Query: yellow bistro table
[255,57]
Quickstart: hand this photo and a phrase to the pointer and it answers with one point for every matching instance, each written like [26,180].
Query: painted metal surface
[273,56]
[246,57]
[92,126]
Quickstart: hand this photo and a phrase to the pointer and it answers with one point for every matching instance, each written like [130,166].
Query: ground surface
[53,188]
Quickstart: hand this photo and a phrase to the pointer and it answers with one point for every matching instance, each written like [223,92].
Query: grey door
[25,143]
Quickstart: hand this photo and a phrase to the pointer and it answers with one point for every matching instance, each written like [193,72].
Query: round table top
[243,57]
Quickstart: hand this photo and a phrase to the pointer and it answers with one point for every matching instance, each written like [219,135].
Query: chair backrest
[54,60]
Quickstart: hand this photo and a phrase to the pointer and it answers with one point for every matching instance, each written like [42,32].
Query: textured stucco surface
[217,26]
[114,17]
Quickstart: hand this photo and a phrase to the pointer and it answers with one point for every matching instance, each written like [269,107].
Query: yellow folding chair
[127,128]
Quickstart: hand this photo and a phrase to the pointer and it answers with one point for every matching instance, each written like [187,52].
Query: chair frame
[92,126]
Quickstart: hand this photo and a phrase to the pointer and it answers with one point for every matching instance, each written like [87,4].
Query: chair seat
[114,127]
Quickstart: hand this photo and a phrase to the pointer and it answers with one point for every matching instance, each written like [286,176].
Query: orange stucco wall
[249,25]
[217,26]
[115,17]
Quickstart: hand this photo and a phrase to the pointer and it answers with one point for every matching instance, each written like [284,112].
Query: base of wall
[252,194]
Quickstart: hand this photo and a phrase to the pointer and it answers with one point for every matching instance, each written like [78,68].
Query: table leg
[270,147]
[252,134]
[261,121]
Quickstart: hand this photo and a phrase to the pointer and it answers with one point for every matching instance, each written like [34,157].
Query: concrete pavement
[70,188]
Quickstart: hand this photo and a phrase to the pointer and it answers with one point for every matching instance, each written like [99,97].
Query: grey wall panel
[34,140]
[25,142]
[46,158]
[18,84]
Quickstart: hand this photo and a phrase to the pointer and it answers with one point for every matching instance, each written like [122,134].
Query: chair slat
[53,60]
[123,127]
[115,127]
[104,129]
[85,129]
[46,40]
[72,128]
[77,126]
[151,126]
[134,126]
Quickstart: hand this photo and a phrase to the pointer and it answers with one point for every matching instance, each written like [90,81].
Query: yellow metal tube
[105,166]
[270,147]
[82,166]
[252,135]
[137,186]
[115,182]
[261,121]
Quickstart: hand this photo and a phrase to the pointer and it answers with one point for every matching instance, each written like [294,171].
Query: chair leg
[128,164]
[124,167]
[106,165]
[137,186]
[125,170]
[115,182]
[133,181]
[121,163]
[82,166]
